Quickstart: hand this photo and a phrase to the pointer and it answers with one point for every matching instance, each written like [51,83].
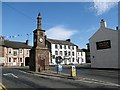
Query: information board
[103,44]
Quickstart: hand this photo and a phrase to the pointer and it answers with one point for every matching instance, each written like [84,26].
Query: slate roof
[79,50]
[15,45]
[63,42]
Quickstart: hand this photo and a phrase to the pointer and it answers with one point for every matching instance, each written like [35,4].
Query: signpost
[73,71]
[59,68]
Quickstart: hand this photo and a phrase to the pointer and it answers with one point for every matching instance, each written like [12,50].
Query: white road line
[23,71]
[38,74]
[99,82]
[87,80]
[8,74]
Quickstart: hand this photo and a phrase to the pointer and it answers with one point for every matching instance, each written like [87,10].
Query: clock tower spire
[39,21]
[39,54]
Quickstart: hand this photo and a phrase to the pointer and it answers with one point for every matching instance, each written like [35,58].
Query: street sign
[73,71]
[59,68]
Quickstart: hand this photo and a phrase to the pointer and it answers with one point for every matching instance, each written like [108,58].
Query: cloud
[60,32]
[102,6]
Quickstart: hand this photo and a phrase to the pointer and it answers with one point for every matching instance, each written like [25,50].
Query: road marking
[87,80]
[39,75]
[23,71]
[8,74]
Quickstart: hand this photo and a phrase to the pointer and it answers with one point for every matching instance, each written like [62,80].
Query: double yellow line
[2,87]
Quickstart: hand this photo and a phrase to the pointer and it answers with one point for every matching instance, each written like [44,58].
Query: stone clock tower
[39,54]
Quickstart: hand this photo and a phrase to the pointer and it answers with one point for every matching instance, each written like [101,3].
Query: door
[42,64]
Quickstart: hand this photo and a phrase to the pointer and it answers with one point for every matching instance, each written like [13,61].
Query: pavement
[53,74]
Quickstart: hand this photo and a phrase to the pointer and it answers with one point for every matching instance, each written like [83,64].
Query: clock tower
[39,54]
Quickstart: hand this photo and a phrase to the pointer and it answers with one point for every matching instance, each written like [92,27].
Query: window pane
[9,50]
[56,52]
[60,46]
[61,53]
[14,53]
[73,59]
[20,50]
[64,46]
[65,52]
[9,59]
[69,53]
[73,53]
[56,46]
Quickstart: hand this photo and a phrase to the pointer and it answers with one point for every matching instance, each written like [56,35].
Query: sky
[77,21]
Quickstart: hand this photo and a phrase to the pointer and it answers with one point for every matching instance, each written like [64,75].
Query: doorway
[27,60]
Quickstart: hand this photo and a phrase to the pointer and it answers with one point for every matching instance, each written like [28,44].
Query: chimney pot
[103,23]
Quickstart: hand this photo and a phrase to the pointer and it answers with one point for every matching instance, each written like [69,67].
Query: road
[101,75]
[17,78]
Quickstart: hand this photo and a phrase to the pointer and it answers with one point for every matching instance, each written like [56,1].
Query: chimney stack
[103,23]
[68,40]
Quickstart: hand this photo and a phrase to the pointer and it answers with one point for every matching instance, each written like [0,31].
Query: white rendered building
[65,49]
[104,47]
[81,56]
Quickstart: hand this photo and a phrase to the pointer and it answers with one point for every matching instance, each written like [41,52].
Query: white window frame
[20,51]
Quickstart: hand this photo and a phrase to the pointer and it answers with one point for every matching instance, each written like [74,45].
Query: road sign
[59,68]
[73,71]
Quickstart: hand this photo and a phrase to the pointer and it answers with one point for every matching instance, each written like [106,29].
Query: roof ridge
[15,41]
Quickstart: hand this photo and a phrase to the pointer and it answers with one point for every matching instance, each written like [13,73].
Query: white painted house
[81,56]
[66,50]
[104,47]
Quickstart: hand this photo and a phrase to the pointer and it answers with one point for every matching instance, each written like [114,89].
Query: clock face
[41,40]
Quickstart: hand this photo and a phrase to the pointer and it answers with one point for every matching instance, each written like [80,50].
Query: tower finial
[39,14]
[39,21]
